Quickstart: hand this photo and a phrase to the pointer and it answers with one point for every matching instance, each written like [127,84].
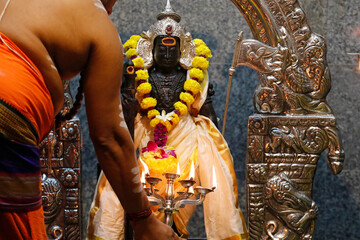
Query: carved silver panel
[60,159]
[280,176]
[293,123]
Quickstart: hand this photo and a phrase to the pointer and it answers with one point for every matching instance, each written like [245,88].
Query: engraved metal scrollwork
[72,232]
[258,125]
[70,131]
[257,173]
[256,212]
[255,147]
[294,77]
[69,177]
[336,153]
[56,232]
[294,211]
[68,102]
[292,146]
[313,140]
[51,197]
[290,98]
[310,140]
[284,139]
[60,165]
[71,216]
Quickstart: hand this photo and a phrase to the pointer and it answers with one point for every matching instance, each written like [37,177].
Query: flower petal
[152,146]
[172,153]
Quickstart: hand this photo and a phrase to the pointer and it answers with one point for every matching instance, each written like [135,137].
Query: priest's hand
[151,228]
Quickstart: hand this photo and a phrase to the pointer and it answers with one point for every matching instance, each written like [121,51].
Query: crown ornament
[169,12]
[168,24]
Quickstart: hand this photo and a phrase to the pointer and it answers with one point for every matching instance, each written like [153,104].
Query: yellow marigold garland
[138,62]
[191,86]
[196,73]
[141,75]
[154,122]
[175,119]
[152,113]
[198,42]
[148,102]
[180,107]
[168,125]
[200,62]
[144,88]
[131,52]
[203,50]
[187,97]
[135,38]
[130,44]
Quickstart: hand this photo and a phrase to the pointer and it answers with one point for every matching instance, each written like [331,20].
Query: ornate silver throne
[60,166]
[292,124]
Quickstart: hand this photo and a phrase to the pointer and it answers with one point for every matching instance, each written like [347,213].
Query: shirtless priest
[42,44]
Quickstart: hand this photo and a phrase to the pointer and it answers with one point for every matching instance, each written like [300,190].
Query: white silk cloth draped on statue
[195,138]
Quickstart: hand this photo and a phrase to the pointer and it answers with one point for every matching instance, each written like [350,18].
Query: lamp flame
[145,172]
[146,168]
[178,169]
[143,177]
[214,177]
[191,190]
[192,171]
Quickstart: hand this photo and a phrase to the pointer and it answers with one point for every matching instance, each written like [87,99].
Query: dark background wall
[218,23]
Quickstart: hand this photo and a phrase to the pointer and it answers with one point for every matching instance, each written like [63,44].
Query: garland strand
[164,122]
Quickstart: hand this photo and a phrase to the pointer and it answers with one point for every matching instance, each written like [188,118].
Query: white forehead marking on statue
[99,5]
[2,74]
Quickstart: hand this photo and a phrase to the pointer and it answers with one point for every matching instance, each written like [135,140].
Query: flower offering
[159,160]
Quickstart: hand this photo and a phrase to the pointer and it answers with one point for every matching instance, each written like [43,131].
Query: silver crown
[169,12]
[168,24]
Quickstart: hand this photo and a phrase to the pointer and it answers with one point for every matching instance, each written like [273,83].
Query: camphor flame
[178,169]
[214,178]
[191,190]
[145,172]
[192,171]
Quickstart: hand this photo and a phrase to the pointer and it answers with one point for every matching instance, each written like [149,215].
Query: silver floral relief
[255,148]
[51,197]
[60,156]
[56,232]
[293,73]
[286,157]
[292,212]
[256,209]
[292,124]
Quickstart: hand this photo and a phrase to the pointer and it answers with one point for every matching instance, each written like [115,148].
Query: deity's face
[166,51]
